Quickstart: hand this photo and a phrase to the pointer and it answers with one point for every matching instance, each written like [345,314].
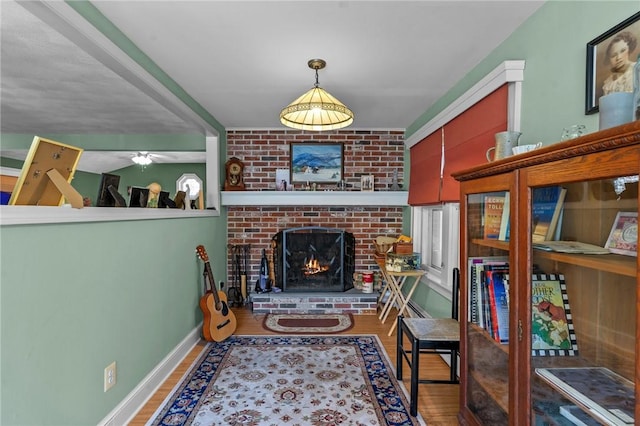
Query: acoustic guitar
[219,321]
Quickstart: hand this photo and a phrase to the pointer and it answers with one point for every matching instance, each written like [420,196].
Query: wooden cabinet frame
[589,159]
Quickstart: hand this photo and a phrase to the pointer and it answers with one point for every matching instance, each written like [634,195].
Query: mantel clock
[234,180]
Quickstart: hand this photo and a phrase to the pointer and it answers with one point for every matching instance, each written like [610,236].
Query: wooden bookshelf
[499,384]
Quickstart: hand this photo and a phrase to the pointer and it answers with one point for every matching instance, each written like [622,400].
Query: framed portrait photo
[317,162]
[610,60]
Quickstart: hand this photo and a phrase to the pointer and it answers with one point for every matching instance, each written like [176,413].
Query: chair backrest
[455,296]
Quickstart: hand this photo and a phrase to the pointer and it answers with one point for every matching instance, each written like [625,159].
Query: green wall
[553,44]
[75,297]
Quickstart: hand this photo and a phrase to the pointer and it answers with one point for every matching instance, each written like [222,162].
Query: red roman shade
[424,178]
[468,136]
[466,139]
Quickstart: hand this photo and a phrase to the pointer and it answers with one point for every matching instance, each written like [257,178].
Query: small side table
[395,282]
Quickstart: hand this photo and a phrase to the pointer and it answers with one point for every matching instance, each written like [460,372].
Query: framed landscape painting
[316,162]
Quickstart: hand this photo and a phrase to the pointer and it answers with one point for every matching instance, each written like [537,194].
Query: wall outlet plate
[110,376]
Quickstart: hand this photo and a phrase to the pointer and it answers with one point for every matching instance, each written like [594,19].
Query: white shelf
[26,215]
[314,198]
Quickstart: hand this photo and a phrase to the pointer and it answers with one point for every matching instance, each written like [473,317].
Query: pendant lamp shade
[316,110]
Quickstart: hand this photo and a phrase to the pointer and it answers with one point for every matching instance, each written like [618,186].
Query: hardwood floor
[437,403]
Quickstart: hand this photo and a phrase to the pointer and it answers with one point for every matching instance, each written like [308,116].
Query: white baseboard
[418,309]
[124,412]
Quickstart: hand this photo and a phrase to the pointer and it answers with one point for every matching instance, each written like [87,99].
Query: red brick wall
[365,152]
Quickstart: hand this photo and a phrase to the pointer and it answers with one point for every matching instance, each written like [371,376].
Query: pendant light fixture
[316,110]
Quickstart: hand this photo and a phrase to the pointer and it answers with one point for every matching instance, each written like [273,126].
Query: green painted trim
[89,12]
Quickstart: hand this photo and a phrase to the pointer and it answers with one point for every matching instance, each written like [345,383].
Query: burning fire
[313,267]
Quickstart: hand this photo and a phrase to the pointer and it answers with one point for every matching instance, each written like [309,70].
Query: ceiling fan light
[142,159]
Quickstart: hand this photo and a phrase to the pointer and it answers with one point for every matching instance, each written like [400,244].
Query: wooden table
[394,283]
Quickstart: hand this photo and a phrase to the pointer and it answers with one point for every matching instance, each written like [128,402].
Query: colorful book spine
[500,306]
[495,333]
[476,296]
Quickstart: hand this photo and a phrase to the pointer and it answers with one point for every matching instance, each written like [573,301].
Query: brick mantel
[254,216]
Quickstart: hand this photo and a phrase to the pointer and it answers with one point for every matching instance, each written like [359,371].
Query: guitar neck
[212,283]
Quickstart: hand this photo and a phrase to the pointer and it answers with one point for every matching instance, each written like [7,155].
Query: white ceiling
[243,61]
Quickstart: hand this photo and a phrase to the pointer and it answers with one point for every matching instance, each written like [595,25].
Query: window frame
[438,279]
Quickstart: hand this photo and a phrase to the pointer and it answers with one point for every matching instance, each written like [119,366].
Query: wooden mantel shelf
[314,198]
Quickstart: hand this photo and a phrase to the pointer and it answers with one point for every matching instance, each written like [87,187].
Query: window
[189,181]
[436,238]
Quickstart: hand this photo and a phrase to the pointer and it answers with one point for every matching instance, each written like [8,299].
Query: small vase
[615,109]
[505,141]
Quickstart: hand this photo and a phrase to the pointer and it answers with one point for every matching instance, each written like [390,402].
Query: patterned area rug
[289,381]
[308,323]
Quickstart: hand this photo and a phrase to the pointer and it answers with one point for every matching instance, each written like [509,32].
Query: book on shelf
[577,416]
[547,204]
[475,272]
[493,206]
[505,225]
[601,393]
[557,236]
[570,247]
[623,238]
[552,332]
[485,270]
[499,302]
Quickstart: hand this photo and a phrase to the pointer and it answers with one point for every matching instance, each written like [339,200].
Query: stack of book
[488,306]
[489,295]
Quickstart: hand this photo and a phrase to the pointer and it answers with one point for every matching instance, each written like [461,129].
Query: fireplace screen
[314,259]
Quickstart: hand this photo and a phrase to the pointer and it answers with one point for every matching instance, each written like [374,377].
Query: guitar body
[223,322]
[219,322]
[207,306]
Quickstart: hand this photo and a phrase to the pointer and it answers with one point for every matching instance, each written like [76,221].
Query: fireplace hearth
[314,259]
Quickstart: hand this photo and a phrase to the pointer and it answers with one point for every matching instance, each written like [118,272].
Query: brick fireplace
[314,259]
[366,152]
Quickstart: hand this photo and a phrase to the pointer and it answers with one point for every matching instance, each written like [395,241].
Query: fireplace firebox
[314,259]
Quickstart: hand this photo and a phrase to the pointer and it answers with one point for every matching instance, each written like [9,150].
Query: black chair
[429,335]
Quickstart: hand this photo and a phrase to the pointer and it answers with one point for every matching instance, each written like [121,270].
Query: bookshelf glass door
[583,302]
[487,256]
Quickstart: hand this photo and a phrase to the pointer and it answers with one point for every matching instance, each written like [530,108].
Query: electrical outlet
[110,376]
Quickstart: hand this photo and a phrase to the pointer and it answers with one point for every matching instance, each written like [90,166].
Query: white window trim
[511,72]
[438,279]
